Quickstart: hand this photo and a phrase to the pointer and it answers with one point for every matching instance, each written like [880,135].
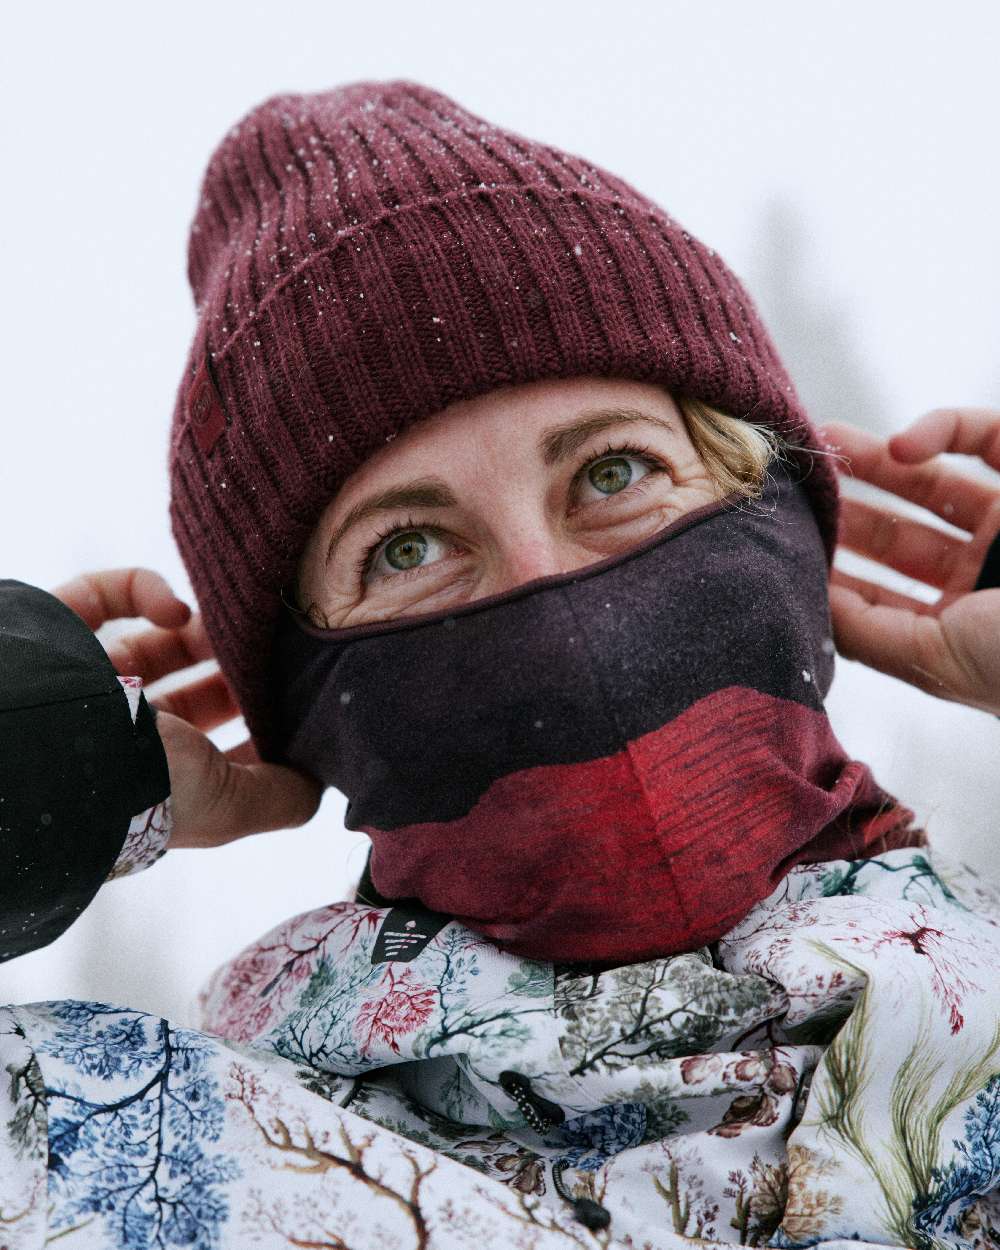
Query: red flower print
[698,1068]
[402,1008]
[950,955]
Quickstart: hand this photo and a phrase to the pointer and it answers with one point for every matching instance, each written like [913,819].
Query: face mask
[607,765]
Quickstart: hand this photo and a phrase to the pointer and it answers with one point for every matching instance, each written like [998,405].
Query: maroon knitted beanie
[364,257]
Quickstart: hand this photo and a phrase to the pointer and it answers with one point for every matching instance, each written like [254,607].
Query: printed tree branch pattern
[827,1074]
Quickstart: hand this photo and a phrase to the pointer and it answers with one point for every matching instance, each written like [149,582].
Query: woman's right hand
[950,648]
[215,796]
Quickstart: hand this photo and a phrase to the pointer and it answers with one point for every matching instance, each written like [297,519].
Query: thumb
[291,791]
[262,797]
[244,753]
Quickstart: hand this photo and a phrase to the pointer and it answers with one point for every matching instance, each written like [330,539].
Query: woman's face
[496,491]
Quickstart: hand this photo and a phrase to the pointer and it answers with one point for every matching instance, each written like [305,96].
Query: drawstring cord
[586,1211]
[542,1115]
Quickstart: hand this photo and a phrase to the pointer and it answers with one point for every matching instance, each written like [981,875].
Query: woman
[552,535]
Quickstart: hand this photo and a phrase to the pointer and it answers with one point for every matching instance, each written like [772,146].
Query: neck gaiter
[607,765]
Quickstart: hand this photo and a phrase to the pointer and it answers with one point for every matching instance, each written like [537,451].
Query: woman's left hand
[950,648]
[215,796]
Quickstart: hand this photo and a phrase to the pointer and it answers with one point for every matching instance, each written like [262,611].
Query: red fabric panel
[659,848]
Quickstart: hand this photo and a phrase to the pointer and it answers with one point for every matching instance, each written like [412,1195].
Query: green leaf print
[905,1167]
[643,1013]
[531,980]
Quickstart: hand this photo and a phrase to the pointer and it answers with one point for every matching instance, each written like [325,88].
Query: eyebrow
[433,492]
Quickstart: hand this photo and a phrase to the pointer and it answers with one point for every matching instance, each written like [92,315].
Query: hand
[950,648]
[216,797]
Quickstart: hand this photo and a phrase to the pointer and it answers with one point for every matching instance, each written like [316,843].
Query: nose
[529,557]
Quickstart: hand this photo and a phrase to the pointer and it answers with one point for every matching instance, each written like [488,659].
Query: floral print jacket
[829,1072]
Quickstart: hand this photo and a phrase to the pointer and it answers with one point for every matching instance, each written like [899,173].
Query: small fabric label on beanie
[205,411]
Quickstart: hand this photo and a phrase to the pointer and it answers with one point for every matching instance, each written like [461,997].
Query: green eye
[407,550]
[611,475]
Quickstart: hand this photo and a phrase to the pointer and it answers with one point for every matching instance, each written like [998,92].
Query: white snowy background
[842,157]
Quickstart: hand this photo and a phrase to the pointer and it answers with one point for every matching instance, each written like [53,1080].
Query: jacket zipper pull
[540,1114]
[586,1211]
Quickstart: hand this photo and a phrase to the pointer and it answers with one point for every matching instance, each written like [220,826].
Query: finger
[967,431]
[206,703]
[155,653]
[955,497]
[114,593]
[874,594]
[883,636]
[908,546]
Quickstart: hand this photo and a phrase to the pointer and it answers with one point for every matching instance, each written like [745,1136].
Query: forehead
[517,413]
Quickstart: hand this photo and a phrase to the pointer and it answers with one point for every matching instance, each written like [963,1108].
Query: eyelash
[653,463]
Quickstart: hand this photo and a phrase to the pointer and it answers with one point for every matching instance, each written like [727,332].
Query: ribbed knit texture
[363,257]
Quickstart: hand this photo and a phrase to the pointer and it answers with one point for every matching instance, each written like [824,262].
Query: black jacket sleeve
[74,769]
[989,574]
